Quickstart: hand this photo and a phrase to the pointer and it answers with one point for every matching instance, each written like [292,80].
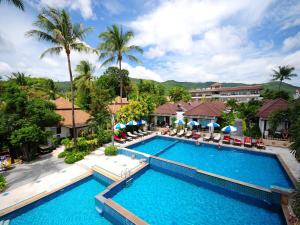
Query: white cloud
[292,42]
[84,6]
[5,68]
[140,72]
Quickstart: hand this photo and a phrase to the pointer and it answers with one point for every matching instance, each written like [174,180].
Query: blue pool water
[158,198]
[76,205]
[255,168]
[152,146]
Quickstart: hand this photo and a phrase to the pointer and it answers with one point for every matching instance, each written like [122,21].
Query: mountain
[273,85]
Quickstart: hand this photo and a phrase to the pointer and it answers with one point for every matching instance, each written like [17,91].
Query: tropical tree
[283,73]
[55,27]
[19,78]
[115,45]
[18,3]
[84,83]
[179,94]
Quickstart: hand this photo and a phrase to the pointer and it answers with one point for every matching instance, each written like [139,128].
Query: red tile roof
[64,109]
[116,104]
[271,106]
[214,108]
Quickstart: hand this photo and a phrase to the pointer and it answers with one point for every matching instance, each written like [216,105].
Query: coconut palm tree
[84,82]
[55,27]
[19,78]
[283,73]
[18,3]
[115,45]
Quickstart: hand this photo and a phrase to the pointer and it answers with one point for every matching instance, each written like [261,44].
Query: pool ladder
[125,173]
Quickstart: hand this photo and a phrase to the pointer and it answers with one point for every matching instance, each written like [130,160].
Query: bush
[67,143]
[74,156]
[104,136]
[62,154]
[82,145]
[2,183]
[111,150]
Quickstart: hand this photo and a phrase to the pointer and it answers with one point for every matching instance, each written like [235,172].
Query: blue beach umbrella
[179,122]
[213,124]
[229,129]
[141,122]
[131,123]
[119,126]
[193,123]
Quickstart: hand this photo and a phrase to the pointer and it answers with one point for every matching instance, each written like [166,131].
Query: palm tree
[18,3]
[283,73]
[84,81]
[19,78]
[115,45]
[55,26]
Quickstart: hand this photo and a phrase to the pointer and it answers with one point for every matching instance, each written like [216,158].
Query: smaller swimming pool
[160,199]
[73,205]
[252,167]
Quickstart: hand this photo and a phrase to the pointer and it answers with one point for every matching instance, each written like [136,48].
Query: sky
[183,40]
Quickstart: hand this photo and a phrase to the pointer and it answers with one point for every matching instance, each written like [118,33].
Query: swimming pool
[256,168]
[73,205]
[158,198]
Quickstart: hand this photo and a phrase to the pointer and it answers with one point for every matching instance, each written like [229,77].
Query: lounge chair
[142,132]
[196,136]
[173,132]
[165,131]
[188,134]
[124,136]
[226,139]
[118,139]
[131,135]
[237,141]
[148,131]
[248,142]
[207,137]
[217,137]
[180,133]
[138,134]
[260,144]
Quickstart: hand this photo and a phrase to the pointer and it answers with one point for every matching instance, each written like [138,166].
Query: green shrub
[111,150]
[104,136]
[2,183]
[74,156]
[67,143]
[62,154]
[82,145]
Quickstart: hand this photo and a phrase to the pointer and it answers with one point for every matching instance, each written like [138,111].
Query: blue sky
[183,40]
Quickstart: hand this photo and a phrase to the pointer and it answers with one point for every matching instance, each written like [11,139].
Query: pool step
[4,222]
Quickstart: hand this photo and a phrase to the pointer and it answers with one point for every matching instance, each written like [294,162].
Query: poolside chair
[260,144]
[165,131]
[138,134]
[207,137]
[217,137]
[237,141]
[226,139]
[180,133]
[142,132]
[248,142]
[148,131]
[173,132]
[124,136]
[188,134]
[131,135]
[196,135]
[118,139]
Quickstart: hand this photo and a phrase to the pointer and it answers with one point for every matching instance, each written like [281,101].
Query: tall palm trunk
[72,91]
[280,82]
[121,78]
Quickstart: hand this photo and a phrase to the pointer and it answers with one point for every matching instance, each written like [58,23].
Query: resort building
[297,94]
[218,91]
[264,113]
[117,104]
[203,112]
[63,108]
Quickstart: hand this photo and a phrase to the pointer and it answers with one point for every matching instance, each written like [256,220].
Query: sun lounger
[260,144]
[196,136]
[173,132]
[207,137]
[124,136]
[138,134]
[142,132]
[248,142]
[131,135]
[237,141]
[118,139]
[188,134]
[226,139]
[148,131]
[217,137]
[180,133]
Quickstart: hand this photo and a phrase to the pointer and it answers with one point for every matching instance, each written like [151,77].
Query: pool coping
[43,194]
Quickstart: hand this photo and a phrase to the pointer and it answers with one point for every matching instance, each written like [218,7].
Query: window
[58,130]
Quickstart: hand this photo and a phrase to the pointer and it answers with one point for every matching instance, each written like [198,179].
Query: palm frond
[41,35]
[18,3]
[133,58]
[52,51]
[108,61]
